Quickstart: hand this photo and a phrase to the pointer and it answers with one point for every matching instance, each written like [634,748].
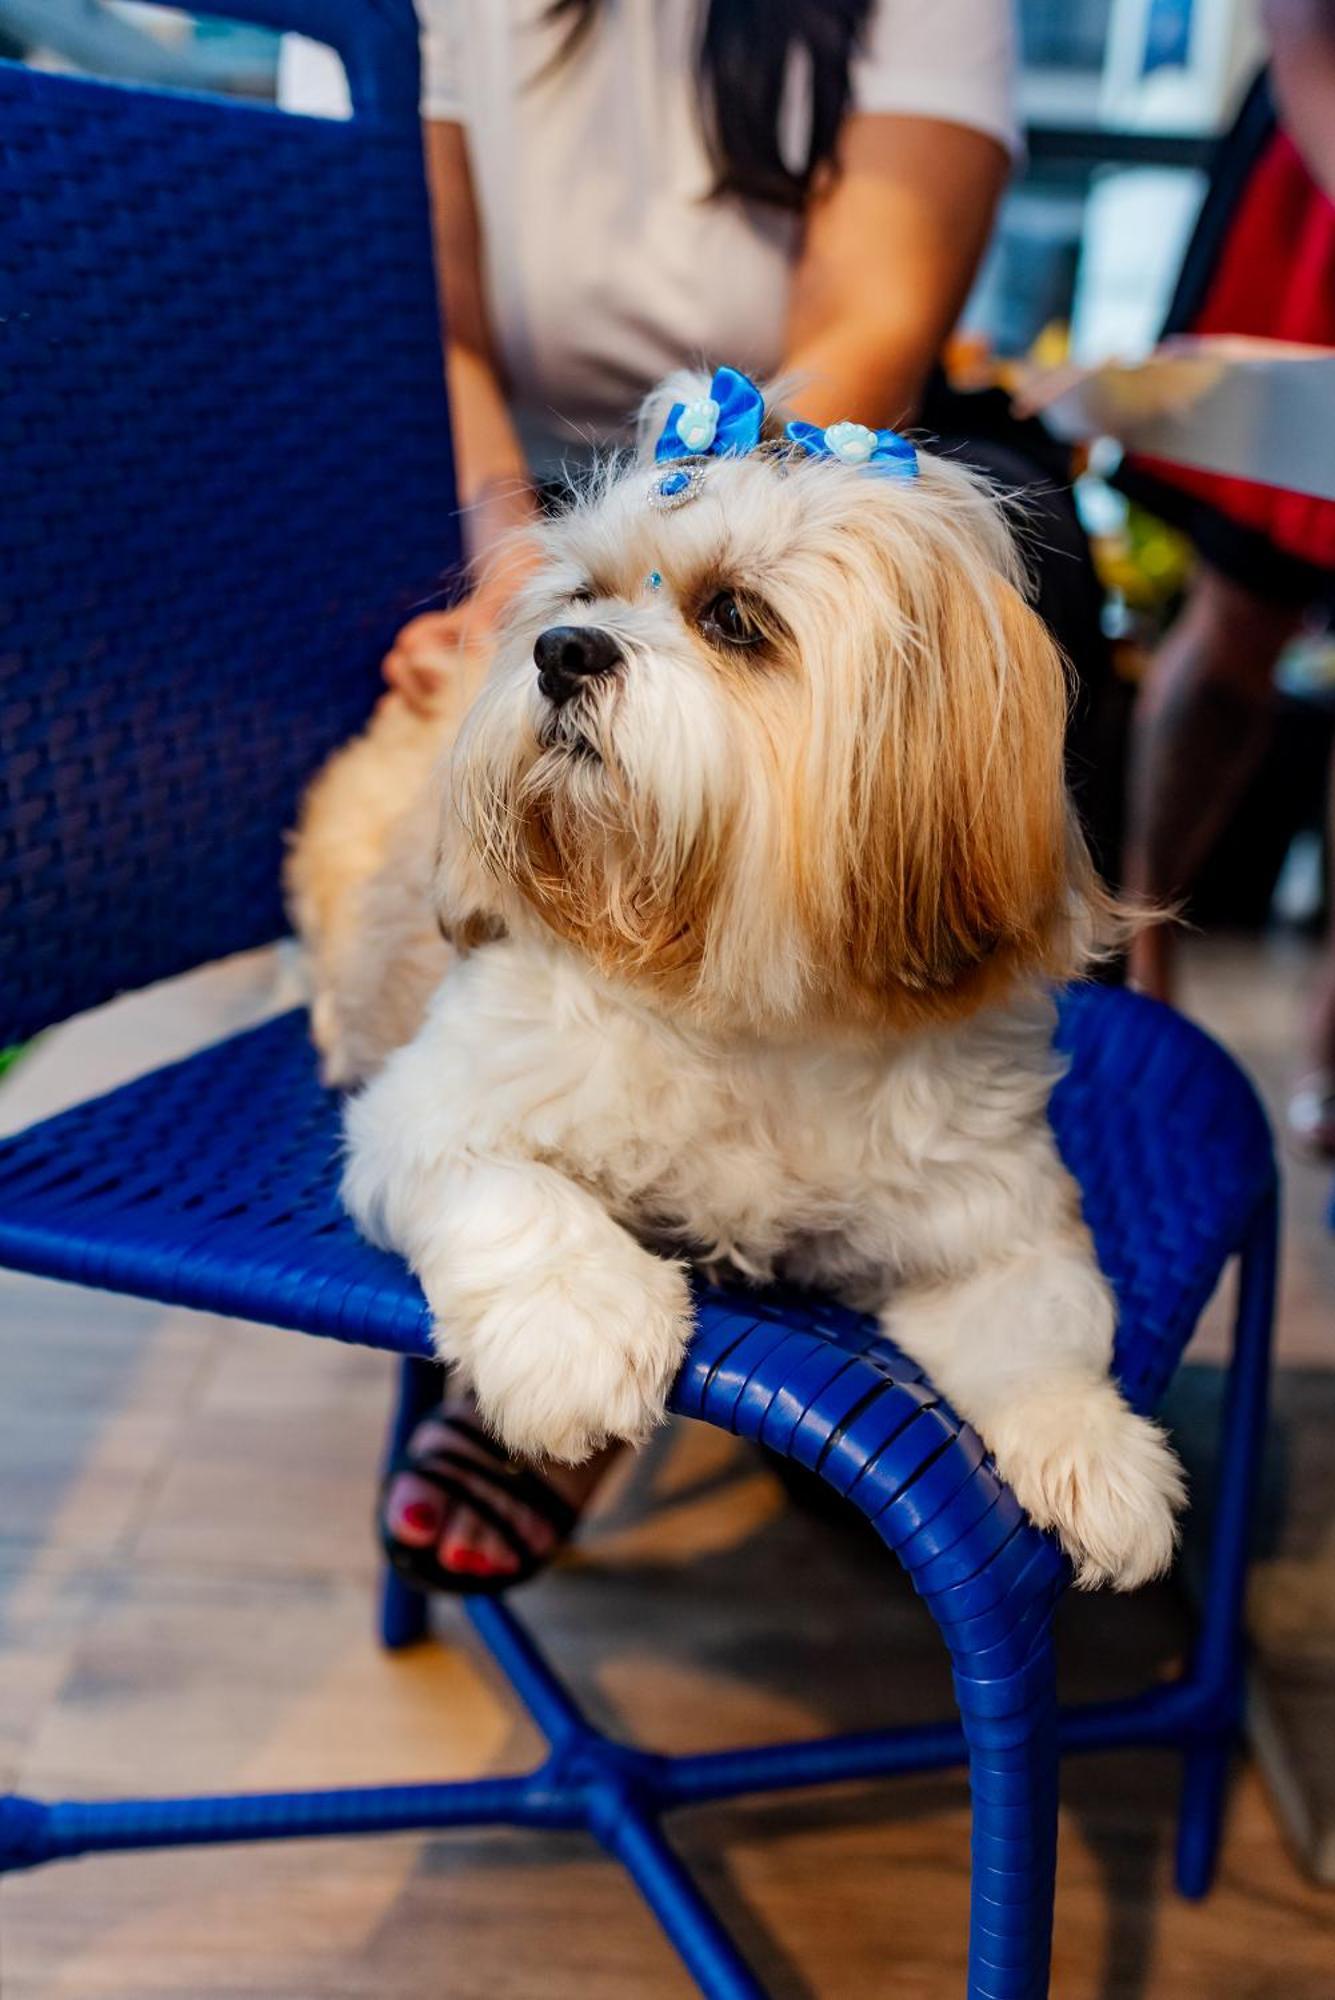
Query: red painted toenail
[418,1514]
[471,1561]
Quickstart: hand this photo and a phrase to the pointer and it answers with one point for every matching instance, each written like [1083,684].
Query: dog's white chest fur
[849,1163]
[542,1130]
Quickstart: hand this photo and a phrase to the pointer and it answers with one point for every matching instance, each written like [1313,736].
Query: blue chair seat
[210,1183]
[214,1183]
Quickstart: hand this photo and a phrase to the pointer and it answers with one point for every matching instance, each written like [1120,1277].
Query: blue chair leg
[709,1954]
[1218,1661]
[1013,1770]
[404,1612]
[1200,1822]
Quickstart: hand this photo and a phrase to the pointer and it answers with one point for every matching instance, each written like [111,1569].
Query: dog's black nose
[568,655]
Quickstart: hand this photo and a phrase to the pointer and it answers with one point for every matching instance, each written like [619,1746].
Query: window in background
[1028,278]
[1062,45]
[1120,98]
[1064,34]
[135,43]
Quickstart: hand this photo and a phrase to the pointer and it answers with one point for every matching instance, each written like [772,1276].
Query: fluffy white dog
[756,857]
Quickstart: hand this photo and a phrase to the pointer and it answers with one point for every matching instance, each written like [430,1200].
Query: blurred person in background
[620,188]
[1261,262]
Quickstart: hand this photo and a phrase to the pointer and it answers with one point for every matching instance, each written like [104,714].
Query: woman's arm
[1302,77]
[494,489]
[493,479]
[890,252]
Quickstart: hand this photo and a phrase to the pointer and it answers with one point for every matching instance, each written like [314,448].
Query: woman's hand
[433,654]
[432,651]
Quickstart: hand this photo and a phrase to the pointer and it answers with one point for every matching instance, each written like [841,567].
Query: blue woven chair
[228,479]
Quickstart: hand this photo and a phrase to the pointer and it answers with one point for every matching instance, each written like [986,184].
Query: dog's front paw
[1106,1481]
[576,1360]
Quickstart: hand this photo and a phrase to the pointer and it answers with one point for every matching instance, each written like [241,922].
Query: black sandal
[459,1476]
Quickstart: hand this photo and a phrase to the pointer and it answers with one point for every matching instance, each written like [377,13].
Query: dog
[756,862]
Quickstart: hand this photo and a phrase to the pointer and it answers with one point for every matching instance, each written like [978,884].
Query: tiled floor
[185,1583]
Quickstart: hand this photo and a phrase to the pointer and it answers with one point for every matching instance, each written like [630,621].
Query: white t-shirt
[606,264]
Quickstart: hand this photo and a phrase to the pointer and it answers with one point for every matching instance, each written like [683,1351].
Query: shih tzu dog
[755,860]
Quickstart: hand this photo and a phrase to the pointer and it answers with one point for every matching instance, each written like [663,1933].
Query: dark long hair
[742,65]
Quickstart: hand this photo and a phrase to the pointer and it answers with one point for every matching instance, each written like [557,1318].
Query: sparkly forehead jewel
[675,488]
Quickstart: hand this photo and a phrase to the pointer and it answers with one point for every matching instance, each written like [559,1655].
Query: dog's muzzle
[569,656]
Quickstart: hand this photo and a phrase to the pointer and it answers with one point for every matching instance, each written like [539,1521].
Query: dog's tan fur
[358,879]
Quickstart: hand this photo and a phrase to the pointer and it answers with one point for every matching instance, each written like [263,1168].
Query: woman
[622,187]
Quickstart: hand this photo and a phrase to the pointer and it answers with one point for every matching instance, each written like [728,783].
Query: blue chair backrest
[1172,1149]
[225,480]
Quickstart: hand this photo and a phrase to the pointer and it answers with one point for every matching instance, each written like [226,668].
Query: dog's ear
[971,870]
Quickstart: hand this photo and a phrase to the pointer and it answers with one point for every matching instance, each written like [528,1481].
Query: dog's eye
[580,595]
[726,619]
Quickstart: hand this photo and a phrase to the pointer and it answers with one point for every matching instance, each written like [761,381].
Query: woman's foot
[1312,1106]
[1312,1114]
[458,1513]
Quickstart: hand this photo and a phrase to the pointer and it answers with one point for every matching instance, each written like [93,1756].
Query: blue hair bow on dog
[885,452]
[727,423]
[724,424]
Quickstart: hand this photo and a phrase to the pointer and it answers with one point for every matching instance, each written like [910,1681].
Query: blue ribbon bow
[884,452]
[724,424]
[727,423]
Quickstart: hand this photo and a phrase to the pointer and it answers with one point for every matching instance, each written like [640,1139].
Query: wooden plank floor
[185,1583]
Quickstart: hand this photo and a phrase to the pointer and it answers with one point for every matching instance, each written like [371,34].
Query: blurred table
[1251,409]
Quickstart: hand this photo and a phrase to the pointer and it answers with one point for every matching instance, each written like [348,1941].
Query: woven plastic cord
[214,1183]
[227,481]
[1173,1154]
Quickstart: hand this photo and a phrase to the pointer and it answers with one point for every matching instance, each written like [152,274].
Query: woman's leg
[1312,1109]
[1201,727]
